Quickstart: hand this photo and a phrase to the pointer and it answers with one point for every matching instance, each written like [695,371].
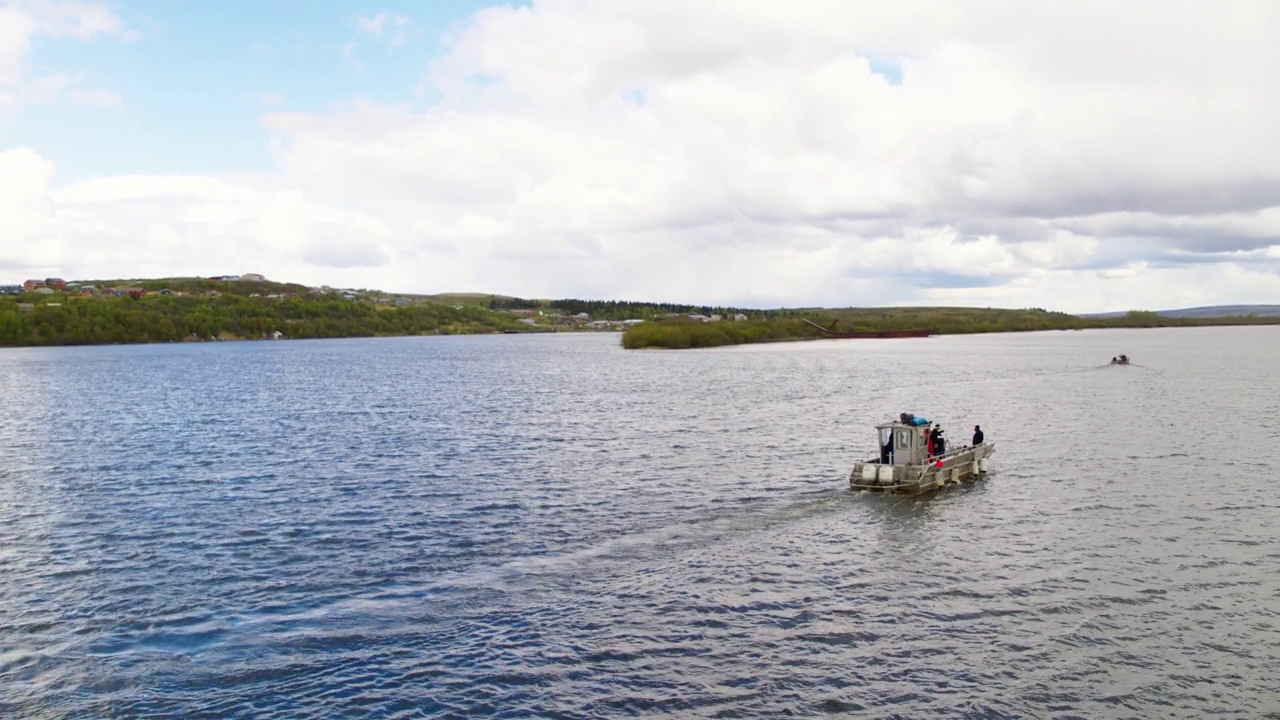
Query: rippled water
[550,526]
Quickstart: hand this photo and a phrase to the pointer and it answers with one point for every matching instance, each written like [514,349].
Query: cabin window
[904,439]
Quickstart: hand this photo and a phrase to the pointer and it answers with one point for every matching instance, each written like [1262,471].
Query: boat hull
[957,466]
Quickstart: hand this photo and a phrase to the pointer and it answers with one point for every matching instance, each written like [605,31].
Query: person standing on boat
[938,445]
[977,435]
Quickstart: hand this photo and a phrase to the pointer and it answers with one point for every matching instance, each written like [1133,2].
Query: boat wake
[610,555]
[1129,365]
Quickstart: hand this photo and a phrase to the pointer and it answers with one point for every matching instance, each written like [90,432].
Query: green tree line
[161,318]
[242,310]
[679,333]
[621,309]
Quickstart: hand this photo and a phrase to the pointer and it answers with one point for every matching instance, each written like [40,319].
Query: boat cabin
[904,443]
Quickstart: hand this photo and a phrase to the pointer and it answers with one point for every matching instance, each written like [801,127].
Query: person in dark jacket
[977,435]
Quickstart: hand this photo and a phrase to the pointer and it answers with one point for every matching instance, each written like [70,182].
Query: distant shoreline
[54,313]
[681,334]
[768,340]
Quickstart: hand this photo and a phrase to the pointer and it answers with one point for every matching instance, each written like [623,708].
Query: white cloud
[30,234]
[392,28]
[24,21]
[1081,156]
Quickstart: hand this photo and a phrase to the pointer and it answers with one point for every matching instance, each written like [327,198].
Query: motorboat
[907,461]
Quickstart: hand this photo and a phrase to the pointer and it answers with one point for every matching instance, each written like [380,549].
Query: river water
[551,526]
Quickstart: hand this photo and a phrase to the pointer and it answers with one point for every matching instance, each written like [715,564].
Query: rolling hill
[1211,311]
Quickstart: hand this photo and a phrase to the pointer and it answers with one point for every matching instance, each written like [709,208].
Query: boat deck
[953,467]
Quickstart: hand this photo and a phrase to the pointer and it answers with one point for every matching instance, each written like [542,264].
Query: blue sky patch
[194,85]
[889,70]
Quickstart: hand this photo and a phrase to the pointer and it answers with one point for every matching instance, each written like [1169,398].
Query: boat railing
[950,453]
[873,458]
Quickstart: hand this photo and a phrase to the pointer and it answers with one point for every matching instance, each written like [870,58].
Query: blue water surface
[552,526]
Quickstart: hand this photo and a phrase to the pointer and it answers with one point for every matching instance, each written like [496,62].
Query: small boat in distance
[1120,360]
[907,464]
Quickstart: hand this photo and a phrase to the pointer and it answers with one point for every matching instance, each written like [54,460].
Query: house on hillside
[32,285]
[11,290]
[253,277]
[133,292]
[739,317]
[55,283]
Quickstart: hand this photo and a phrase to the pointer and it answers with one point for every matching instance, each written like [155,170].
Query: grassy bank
[684,333]
[205,310]
[680,333]
[193,309]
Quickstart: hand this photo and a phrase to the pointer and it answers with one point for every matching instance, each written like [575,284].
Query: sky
[1080,156]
